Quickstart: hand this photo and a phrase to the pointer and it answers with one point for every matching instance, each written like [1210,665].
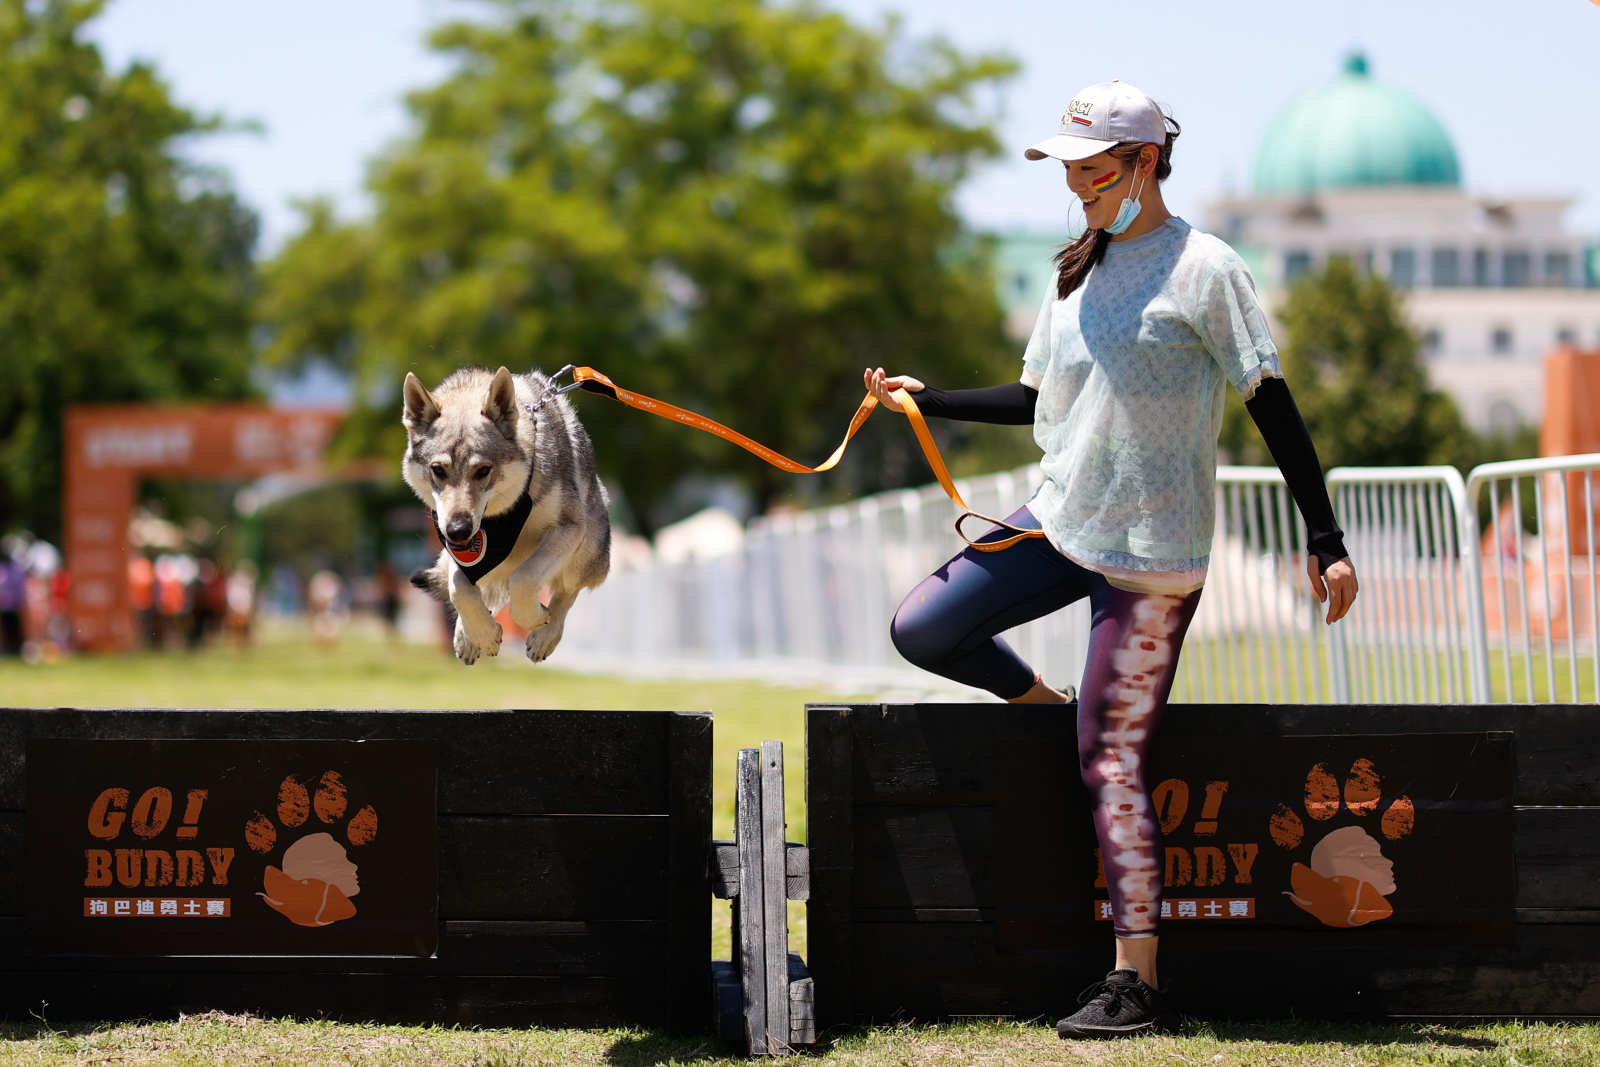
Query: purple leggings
[949,625]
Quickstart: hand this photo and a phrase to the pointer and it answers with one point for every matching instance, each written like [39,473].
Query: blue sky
[1515,85]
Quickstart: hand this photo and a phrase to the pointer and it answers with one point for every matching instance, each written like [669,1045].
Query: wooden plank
[554,867]
[727,1006]
[509,762]
[945,754]
[929,858]
[633,950]
[797,871]
[724,870]
[905,970]
[1558,857]
[688,956]
[774,897]
[802,1003]
[749,913]
[11,862]
[926,857]
[830,835]
[515,867]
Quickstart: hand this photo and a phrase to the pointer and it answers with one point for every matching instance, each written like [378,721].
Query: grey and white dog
[509,476]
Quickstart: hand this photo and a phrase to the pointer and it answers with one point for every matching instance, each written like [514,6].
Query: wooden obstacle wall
[516,867]
[953,865]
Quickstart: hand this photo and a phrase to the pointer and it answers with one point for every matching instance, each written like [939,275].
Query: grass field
[287,670]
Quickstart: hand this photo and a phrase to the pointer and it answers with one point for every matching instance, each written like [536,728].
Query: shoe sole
[1067,1033]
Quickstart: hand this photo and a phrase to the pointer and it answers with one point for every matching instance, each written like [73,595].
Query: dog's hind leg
[542,641]
[542,568]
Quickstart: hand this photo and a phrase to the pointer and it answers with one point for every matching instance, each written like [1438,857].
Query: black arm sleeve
[1284,431]
[1009,405]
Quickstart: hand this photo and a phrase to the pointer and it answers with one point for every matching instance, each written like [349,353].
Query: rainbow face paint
[1107,181]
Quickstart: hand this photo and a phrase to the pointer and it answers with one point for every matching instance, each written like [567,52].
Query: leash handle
[930,451]
[592,381]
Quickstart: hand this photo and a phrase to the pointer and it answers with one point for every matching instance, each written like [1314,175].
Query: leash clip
[551,389]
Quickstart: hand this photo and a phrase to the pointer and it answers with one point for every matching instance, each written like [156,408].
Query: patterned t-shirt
[1129,369]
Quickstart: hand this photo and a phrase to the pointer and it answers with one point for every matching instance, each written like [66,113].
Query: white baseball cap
[1101,116]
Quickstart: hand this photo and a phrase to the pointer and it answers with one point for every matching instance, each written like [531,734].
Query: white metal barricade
[1539,620]
[1409,639]
[1451,609]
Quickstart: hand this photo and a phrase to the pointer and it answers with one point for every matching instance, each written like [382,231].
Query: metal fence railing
[1536,605]
[1472,590]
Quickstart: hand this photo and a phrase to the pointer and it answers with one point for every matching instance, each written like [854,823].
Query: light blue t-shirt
[1130,369]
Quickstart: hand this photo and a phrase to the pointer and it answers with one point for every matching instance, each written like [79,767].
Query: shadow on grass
[40,1029]
[1305,1032]
[647,1049]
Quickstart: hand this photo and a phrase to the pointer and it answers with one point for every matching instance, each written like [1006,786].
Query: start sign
[180,847]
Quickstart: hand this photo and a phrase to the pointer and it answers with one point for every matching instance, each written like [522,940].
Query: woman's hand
[881,385]
[1335,587]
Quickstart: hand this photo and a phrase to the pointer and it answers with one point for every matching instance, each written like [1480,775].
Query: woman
[1123,383]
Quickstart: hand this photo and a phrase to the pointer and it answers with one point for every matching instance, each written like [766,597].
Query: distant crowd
[33,597]
[180,600]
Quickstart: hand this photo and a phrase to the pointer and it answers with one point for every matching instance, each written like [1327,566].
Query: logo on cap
[1078,111]
[472,553]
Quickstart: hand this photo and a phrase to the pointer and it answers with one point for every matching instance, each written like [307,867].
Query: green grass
[287,670]
[1294,671]
[214,1038]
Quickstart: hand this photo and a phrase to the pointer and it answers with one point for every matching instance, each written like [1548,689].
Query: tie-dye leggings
[949,625]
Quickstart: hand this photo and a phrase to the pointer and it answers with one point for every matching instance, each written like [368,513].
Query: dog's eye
[482,472]
[439,470]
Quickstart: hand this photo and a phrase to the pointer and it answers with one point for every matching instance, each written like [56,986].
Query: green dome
[1354,133]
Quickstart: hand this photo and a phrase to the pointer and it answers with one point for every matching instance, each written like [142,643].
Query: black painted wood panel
[571,877]
[930,821]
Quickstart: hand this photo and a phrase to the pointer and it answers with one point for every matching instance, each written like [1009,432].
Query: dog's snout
[459,528]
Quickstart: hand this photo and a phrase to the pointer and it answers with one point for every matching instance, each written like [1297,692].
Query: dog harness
[496,537]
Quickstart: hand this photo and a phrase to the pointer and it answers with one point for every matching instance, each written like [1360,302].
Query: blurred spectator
[207,598]
[324,602]
[389,597]
[240,598]
[173,574]
[142,594]
[13,594]
[58,630]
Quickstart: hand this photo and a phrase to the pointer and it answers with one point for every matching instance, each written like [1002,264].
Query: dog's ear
[500,406]
[420,407]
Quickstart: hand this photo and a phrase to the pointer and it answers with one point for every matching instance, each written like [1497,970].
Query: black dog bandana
[496,537]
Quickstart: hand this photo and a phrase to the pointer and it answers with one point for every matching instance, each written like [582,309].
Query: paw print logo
[317,879]
[1349,879]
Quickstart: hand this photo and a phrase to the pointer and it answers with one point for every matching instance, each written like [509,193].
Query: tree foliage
[735,205]
[125,272]
[1351,361]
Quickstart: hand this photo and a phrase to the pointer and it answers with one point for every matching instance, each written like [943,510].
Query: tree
[734,205]
[1351,360]
[125,273]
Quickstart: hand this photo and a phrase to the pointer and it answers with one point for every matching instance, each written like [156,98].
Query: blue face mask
[1126,213]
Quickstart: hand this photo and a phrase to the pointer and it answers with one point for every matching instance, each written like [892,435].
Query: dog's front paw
[543,641]
[468,649]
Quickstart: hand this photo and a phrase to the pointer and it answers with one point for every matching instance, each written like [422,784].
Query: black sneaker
[1119,1005]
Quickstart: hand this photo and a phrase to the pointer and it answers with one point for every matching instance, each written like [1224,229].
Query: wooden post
[749,913]
[774,895]
[763,997]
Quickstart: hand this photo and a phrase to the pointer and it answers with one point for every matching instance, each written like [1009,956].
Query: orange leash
[592,381]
